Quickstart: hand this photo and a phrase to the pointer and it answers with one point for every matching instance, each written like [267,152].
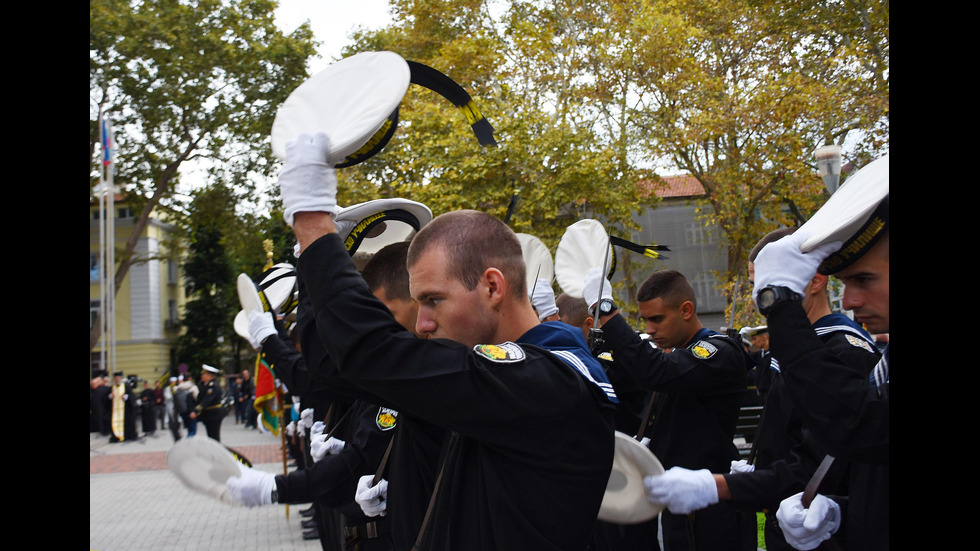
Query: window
[96,362]
[124,212]
[696,234]
[93,269]
[172,272]
[94,306]
[172,311]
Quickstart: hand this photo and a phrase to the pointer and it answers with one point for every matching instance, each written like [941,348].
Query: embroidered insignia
[386,418]
[703,350]
[607,356]
[859,342]
[507,352]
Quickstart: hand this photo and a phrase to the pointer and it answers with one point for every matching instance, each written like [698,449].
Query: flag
[266,398]
[108,141]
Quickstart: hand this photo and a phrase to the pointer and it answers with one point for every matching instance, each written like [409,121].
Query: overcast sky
[332,22]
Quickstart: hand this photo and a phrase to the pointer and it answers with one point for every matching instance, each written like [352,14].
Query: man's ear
[495,285]
[687,309]
[817,284]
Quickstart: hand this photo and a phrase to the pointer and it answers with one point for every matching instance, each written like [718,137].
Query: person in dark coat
[100,404]
[148,412]
[209,409]
[527,410]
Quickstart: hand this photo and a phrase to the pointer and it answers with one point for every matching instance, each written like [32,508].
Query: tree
[590,98]
[740,92]
[213,297]
[553,151]
[186,80]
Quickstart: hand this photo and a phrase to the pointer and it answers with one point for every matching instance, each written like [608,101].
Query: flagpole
[282,435]
[101,262]
[268,246]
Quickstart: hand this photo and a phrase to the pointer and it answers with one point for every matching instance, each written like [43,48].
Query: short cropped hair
[669,285]
[387,270]
[774,235]
[474,242]
[572,310]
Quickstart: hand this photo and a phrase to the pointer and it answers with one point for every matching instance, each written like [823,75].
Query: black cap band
[862,241]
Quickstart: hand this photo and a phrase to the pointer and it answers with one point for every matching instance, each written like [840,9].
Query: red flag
[266,398]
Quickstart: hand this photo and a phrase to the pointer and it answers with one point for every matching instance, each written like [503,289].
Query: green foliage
[187,80]
[213,298]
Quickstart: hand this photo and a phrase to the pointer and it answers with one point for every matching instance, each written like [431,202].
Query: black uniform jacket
[699,390]
[845,410]
[787,453]
[536,436]
[366,431]
[209,401]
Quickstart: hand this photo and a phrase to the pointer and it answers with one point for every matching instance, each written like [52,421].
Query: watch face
[766,298]
[606,306]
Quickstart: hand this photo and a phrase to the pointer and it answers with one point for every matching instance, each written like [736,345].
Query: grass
[760,522]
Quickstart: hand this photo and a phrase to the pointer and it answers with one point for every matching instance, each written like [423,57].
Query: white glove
[807,528]
[317,429]
[741,466]
[307,417]
[291,428]
[590,291]
[682,490]
[252,488]
[260,327]
[307,182]
[371,498]
[781,263]
[543,299]
[321,446]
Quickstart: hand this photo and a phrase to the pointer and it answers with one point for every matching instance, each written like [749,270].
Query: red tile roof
[683,185]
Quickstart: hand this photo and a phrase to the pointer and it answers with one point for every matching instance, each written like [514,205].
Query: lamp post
[829,165]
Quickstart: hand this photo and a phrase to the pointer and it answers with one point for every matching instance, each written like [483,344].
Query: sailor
[844,408]
[209,409]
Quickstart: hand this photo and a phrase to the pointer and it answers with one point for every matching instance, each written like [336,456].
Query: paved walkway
[136,503]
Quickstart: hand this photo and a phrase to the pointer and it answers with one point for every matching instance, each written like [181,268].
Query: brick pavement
[137,504]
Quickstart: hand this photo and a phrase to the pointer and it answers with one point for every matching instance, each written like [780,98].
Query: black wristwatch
[769,296]
[607,306]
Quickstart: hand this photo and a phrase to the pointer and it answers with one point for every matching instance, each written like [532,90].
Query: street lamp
[828,163]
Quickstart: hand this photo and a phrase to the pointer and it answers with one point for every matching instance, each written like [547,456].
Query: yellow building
[150,300]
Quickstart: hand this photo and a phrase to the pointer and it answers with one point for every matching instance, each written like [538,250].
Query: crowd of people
[122,412]
[441,404]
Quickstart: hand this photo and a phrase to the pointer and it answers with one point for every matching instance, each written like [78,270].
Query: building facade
[698,251]
[149,301]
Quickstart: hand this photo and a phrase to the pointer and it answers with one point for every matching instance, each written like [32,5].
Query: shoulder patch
[607,356]
[507,352]
[386,418]
[703,350]
[857,341]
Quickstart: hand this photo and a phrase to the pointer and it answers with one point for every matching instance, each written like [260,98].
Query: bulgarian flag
[266,397]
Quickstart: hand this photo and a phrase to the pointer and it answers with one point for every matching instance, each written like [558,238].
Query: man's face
[445,308]
[866,288]
[761,341]
[245,374]
[206,376]
[664,323]
[405,311]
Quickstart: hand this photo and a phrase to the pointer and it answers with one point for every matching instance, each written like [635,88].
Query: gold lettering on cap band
[360,227]
[856,246]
